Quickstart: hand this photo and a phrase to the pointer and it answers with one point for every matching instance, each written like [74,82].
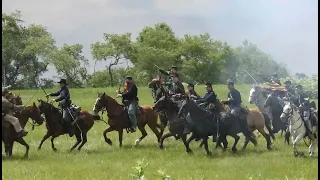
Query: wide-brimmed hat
[128,77]
[190,85]
[230,82]
[63,81]
[287,82]
[174,67]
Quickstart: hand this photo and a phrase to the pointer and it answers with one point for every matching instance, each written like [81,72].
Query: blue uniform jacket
[63,94]
[209,97]
[235,95]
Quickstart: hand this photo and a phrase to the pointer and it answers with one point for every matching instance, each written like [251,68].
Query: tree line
[27,51]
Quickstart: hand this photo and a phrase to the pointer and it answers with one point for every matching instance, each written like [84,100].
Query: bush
[309,84]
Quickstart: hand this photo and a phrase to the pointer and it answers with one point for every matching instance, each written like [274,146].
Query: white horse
[297,128]
[256,97]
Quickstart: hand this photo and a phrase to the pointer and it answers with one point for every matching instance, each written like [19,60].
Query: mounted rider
[302,101]
[130,100]
[173,71]
[177,87]
[289,89]
[191,92]
[65,103]
[8,109]
[209,99]
[234,99]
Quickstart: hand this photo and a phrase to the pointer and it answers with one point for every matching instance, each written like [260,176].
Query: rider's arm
[63,95]
[132,89]
[55,93]
[164,72]
[202,100]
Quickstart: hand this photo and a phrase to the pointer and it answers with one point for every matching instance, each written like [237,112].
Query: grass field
[97,160]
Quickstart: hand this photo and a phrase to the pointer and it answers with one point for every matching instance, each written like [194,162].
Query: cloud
[288,30]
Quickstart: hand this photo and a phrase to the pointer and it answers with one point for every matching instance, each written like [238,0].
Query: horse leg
[205,142]
[45,137]
[184,139]
[11,148]
[107,140]
[120,133]
[23,142]
[7,148]
[236,139]
[79,139]
[295,140]
[192,137]
[163,138]
[287,137]
[84,140]
[156,132]
[143,133]
[267,137]
[52,139]
[312,147]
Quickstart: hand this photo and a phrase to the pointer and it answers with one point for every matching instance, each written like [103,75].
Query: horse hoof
[269,148]
[25,157]
[39,148]
[109,142]
[234,150]
[189,151]
[209,153]
[311,154]
[137,142]
[54,149]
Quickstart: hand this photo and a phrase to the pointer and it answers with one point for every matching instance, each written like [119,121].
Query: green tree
[156,45]
[114,49]
[25,51]
[70,63]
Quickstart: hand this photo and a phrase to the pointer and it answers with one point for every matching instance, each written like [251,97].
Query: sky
[285,29]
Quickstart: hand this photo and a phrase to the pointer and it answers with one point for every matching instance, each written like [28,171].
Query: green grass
[98,160]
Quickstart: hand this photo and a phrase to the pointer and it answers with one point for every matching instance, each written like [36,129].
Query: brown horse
[9,135]
[56,127]
[119,119]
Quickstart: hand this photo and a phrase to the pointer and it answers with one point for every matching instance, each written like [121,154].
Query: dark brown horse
[56,127]
[119,119]
[158,91]
[9,135]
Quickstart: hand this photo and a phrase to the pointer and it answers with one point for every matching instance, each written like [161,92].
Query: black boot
[22,133]
[309,130]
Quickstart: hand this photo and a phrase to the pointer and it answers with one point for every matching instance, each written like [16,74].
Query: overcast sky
[286,29]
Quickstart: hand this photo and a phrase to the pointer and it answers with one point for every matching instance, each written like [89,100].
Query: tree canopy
[28,50]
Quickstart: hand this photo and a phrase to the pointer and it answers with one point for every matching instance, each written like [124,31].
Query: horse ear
[104,94]
[39,100]
[34,104]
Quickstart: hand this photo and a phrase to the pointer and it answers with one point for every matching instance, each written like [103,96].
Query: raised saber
[250,76]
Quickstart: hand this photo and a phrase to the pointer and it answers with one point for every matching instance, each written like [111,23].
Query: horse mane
[110,98]
[85,112]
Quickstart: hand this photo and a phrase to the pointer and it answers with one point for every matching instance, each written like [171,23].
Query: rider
[289,88]
[64,103]
[130,99]
[191,92]
[234,99]
[177,87]
[7,111]
[302,101]
[209,99]
[171,73]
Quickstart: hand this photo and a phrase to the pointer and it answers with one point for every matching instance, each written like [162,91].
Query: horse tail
[267,124]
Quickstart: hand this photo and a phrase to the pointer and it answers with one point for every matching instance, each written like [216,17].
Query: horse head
[162,103]
[35,114]
[288,111]
[254,93]
[105,101]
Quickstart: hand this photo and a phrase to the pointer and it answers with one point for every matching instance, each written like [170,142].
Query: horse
[258,96]
[157,92]
[119,118]
[176,124]
[297,128]
[9,135]
[56,127]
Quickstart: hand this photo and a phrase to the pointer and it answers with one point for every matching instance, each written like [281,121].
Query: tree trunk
[110,73]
